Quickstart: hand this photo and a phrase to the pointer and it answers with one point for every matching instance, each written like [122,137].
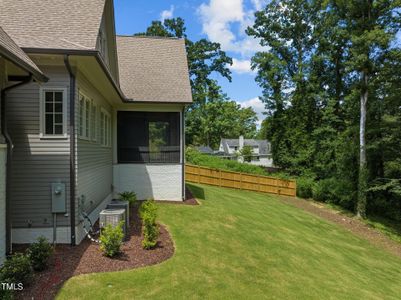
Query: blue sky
[222,21]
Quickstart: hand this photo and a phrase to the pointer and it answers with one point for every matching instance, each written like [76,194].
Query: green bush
[128,196]
[148,213]
[17,269]
[322,190]
[39,254]
[111,239]
[6,294]
[305,187]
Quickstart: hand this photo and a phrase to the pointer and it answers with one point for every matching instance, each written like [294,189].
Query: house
[16,68]
[261,149]
[109,119]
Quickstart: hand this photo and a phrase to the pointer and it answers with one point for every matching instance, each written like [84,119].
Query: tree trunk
[361,205]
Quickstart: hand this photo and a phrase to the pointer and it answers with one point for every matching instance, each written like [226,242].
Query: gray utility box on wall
[58,198]
[118,204]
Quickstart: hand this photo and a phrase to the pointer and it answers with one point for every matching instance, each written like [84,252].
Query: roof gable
[49,24]
[13,53]
[153,69]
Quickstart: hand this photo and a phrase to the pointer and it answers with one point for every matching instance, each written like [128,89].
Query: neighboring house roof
[205,149]
[262,144]
[153,69]
[49,24]
[10,51]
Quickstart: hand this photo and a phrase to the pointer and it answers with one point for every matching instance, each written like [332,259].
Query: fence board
[250,182]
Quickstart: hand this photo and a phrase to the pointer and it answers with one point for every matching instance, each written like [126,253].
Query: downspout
[10,147]
[183,151]
[72,149]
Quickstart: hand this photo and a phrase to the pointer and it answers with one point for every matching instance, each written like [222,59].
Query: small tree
[148,215]
[246,153]
[111,239]
[39,253]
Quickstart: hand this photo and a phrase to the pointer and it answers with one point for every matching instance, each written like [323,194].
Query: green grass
[242,245]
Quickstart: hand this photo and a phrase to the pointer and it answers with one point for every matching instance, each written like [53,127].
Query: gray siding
[36,162]
[95,170]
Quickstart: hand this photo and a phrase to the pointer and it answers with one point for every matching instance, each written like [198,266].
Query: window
[53,113]
[105,128]
[85,116]
[93,121]
[145,137]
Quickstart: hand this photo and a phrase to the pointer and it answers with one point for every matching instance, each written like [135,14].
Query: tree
[246,153]
[220,119]
[285,28]
[330,78]
[372,25]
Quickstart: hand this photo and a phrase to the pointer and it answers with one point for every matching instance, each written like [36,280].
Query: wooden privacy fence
[240,181]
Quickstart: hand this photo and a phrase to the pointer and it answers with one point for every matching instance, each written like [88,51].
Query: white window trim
[86,98]
[104,131]
[42,131]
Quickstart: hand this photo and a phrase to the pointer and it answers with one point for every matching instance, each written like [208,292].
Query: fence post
[220,178]
[198,174]
[240,181]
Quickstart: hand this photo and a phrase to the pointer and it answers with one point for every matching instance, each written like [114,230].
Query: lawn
[240,244]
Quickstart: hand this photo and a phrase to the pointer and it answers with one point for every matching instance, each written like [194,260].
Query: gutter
[10,147]
[72,150]
[183,152]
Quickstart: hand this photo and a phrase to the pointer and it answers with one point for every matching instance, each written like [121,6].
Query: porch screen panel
[148,137]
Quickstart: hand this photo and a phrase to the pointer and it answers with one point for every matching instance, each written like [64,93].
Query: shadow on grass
[197,191]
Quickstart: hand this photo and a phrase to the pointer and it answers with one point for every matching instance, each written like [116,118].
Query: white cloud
[241,66]
[259,4]
[217,18]
[167,14]
[257,106]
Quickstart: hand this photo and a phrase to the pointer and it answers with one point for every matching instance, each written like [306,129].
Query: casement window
[85,115]
[146,137]
[53,112]
[105,128]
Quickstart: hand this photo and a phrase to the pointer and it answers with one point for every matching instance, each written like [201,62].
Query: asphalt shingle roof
[52,24]
[153,69]
[10,50]
[262,144]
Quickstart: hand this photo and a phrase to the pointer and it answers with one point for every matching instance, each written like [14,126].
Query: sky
[222,21]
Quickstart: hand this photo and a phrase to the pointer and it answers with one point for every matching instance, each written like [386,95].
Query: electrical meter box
[59,204]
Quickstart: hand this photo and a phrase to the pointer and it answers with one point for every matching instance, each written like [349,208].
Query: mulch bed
[350,223]
[87,258]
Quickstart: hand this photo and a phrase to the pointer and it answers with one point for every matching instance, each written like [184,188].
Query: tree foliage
[331,86]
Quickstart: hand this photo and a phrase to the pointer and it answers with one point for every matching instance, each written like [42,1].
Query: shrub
[322,190]
[305,187]
[111,239]
[6,294]
[148,213]
[128,196]
[17,269]
[39,253]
